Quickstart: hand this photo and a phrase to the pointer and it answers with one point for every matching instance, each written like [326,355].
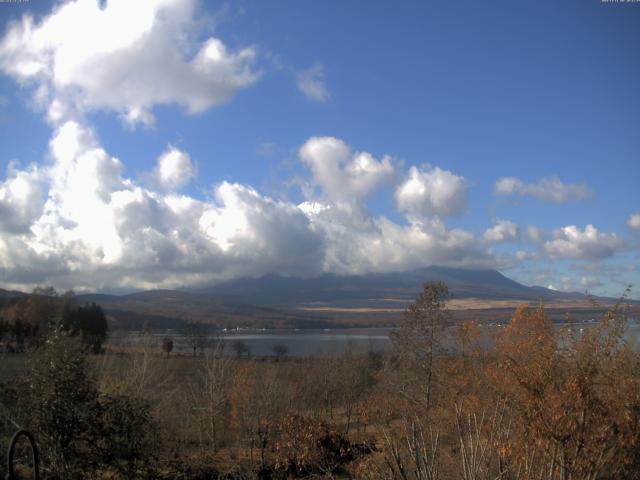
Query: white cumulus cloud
[549,189]
[432,191]
[124,56]
[589,244]
[88,226]
[85,225]
[502,231]
[357,242]
[174,169]
[21,200]
[342,174]
[634,221]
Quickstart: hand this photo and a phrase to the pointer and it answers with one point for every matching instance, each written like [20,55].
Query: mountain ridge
[275,289]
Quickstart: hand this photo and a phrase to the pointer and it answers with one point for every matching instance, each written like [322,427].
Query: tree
[417,341]
[64,403]
[44,309]
[354,378]
[80,429]
[167,345]
[240,347]
[31,317]
[23,335]
[196,335]
[124,435]
[575,398]
[211,395]
[309,448]
[4,327]
[280,350]
[467,337]
[88,321]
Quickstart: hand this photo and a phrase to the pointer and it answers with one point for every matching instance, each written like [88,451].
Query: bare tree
[211,395]
[167,345]
[280,350]
[478,437]
[418,340]
[196,336]
[410,454]
[240,347]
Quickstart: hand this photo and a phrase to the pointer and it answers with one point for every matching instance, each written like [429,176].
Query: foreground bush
[307,446]
[80,430]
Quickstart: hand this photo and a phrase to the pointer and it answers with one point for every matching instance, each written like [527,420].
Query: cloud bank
[79,222]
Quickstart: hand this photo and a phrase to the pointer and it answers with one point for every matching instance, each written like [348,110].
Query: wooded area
[544,403]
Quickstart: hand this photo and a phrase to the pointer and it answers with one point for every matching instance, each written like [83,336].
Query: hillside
[7,294]
[379,289]
[172,308]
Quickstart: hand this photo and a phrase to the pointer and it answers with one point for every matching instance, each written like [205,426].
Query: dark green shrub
[88,321]
[81,431]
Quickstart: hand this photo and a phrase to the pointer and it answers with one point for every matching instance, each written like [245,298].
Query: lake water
[303,342]
[299,343]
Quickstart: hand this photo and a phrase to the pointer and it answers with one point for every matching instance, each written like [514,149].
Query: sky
[178,143]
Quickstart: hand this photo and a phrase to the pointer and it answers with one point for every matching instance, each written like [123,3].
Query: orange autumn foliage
[575,398]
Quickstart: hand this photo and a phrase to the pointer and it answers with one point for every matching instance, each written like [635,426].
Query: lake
[299,343]
[306,342]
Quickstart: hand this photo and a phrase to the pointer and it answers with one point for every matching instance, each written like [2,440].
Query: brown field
[457,304]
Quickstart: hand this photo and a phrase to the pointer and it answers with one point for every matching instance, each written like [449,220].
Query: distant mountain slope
[380,287]
[11,293]
[275,301]
[172,308]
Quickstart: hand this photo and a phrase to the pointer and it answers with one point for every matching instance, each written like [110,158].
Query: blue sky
[177,142]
